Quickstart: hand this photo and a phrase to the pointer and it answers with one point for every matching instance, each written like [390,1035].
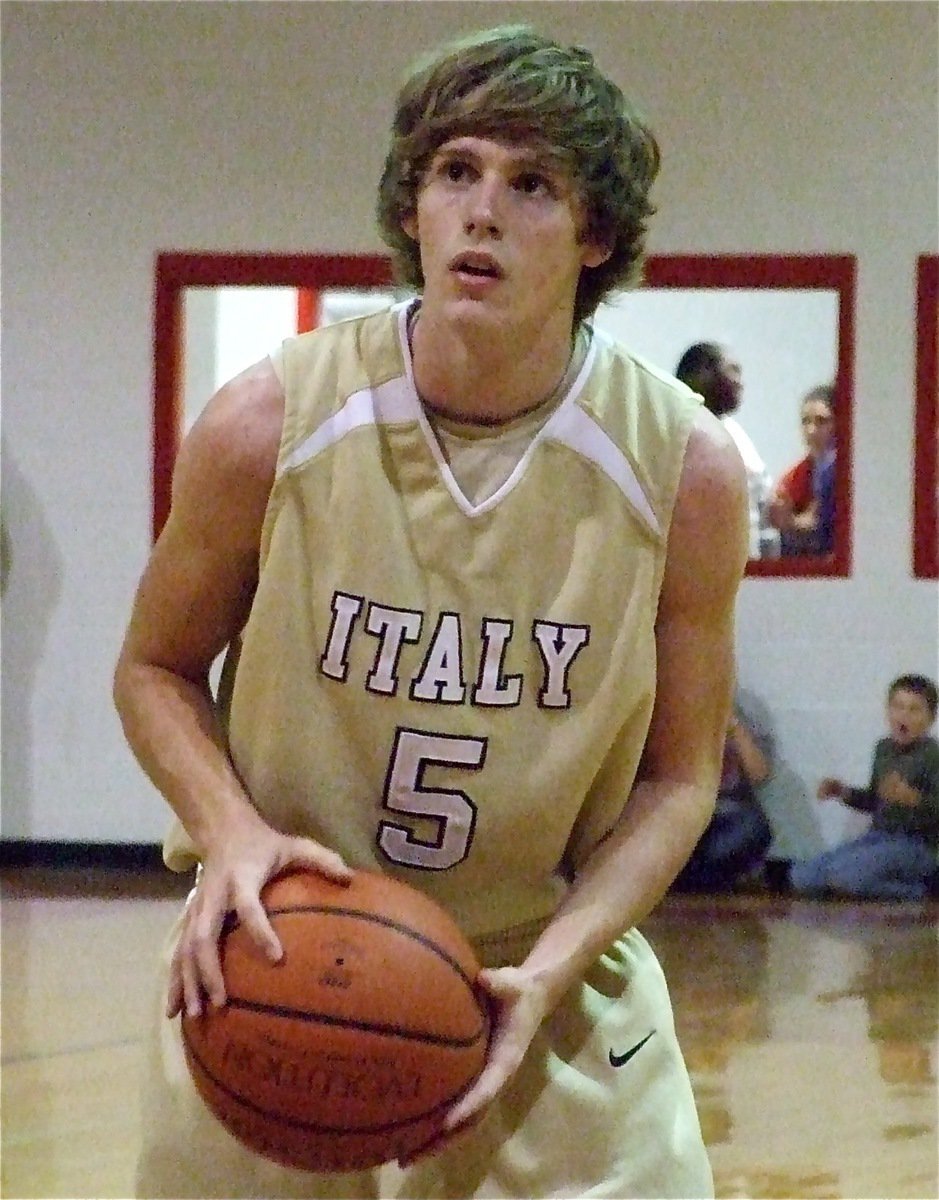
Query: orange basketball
[346,1053]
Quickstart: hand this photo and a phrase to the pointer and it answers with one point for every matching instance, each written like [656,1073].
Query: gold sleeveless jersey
[451,692]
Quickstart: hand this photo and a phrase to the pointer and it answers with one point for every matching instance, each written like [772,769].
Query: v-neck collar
[463,502]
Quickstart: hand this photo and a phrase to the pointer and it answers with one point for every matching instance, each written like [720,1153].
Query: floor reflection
[810,1031]
[808,1026]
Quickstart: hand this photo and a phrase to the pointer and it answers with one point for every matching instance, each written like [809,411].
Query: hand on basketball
[518,1006]
[230,881]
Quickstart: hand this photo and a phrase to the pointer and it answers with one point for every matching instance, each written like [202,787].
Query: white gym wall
[131,128]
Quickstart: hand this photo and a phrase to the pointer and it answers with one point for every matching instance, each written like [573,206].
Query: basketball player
[477,565]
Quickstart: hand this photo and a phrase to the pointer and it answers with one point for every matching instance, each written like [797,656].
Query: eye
[533,183]
[454,169]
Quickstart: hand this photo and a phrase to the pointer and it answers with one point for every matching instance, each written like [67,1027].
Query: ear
[593,255]
[409,225]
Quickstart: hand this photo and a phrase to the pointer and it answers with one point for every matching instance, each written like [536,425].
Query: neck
[477,377]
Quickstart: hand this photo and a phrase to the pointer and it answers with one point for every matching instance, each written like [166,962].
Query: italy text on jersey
[441,677]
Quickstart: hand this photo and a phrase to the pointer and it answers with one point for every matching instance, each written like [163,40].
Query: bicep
[197,587]
[706,554]
[192,599]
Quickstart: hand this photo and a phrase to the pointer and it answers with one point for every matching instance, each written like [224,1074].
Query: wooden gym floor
[810,1029]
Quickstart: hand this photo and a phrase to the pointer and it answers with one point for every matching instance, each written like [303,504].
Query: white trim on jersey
[390,403]
[397,402]
[573,427]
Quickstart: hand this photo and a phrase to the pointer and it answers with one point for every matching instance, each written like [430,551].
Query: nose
[483,208]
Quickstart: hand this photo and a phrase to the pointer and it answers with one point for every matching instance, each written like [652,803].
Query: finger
[324,861]
[175,982]
[253,917]
[206,961]
[437,1143]
[174,991]
[191,988]
[501,982]
[498,987]
[470,1109]
[423,1151]
[464,1125]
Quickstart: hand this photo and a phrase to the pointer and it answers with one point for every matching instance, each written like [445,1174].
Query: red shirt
[796,485]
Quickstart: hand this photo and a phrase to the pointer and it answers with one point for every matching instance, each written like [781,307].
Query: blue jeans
[734,842]
[876,866]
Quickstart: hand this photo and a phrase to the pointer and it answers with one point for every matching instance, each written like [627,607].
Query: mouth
[475,264]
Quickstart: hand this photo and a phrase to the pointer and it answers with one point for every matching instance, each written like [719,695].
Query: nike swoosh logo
[620,1060]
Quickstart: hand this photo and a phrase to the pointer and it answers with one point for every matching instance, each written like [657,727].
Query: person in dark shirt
[734,844]
[896,858]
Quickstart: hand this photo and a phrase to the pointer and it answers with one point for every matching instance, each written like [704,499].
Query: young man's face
[499,232]
[908,716]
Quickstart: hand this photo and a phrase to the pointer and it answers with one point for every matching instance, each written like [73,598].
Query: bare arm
[673,797]
[193,599]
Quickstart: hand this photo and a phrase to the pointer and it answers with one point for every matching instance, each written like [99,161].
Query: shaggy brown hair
[513,84]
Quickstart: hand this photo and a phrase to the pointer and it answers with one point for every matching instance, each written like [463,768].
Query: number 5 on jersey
[442,820]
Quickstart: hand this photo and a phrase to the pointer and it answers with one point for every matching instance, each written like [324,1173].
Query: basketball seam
[313,1126]
[321,1018]
[332,910]
[390,923]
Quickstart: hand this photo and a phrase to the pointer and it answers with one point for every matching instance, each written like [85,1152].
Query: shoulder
[708,536]
[930,751]
[799,472]
[629,373]
[646,413]
[322,369]
[367,346]
[713,484]
[229,458]
[711,459]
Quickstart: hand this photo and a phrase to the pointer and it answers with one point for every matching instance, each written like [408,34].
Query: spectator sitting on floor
[738,835]
[896,858]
